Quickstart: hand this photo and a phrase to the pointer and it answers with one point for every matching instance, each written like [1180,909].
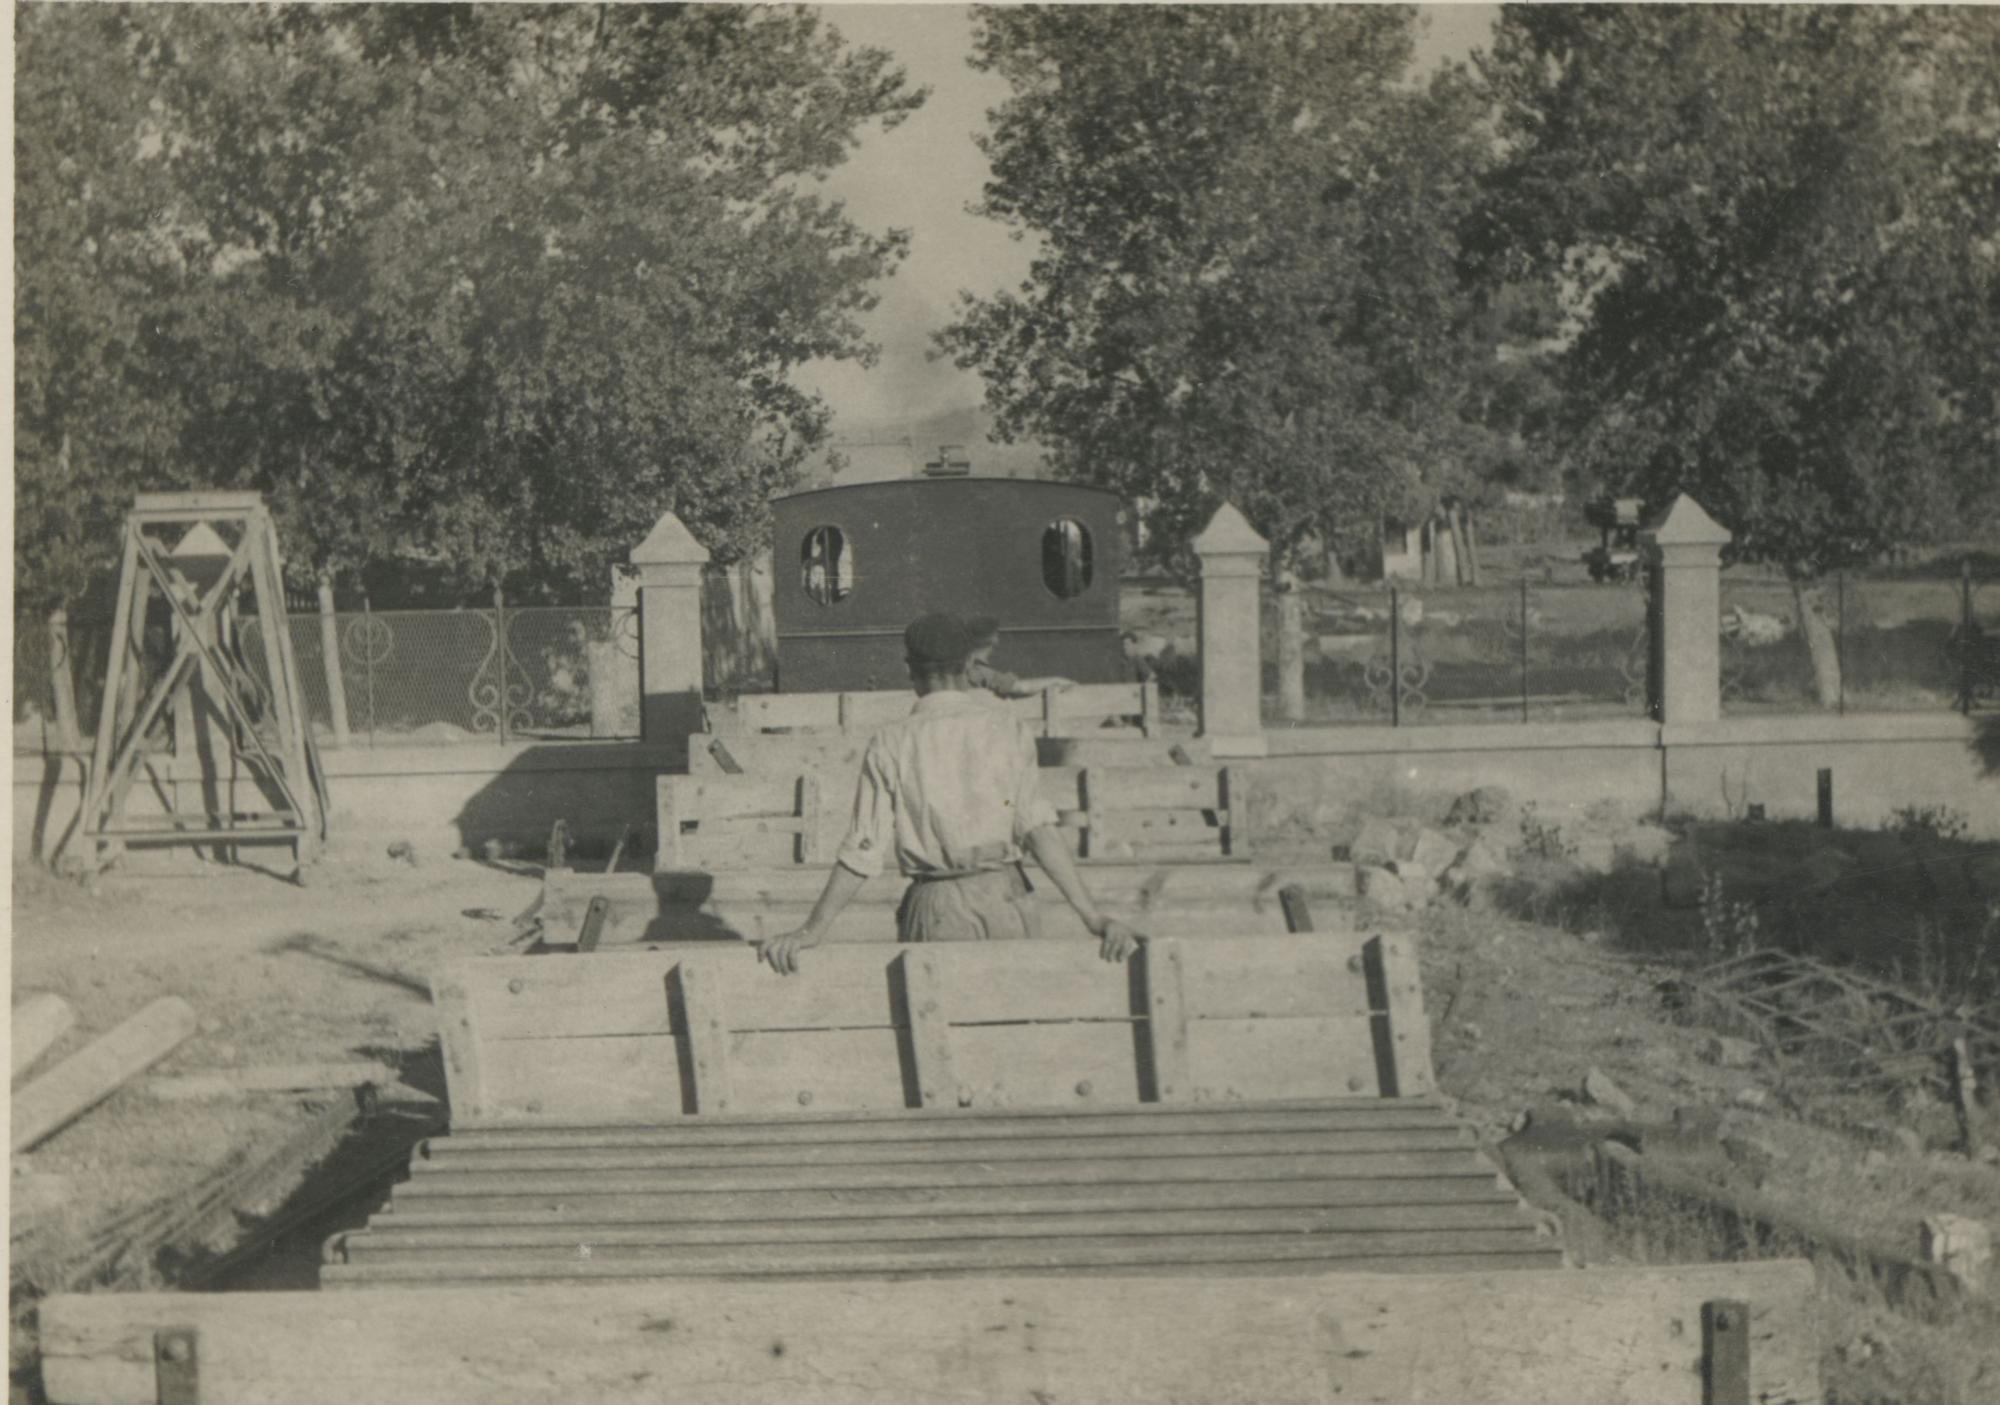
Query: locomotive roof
[945,480]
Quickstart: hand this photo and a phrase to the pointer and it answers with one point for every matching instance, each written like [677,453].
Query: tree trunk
[1291,646]
[62,683]
[329,654]
[1468,549]
[1810,601]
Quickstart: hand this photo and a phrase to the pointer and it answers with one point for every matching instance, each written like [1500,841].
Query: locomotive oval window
[826,566]
[1066,553]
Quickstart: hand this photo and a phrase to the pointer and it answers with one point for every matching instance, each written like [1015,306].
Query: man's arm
[863,854]
[1030,687]
[1117,941]
[783,952]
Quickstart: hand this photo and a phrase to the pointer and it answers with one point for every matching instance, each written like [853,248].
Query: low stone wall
[1314,784]
[437,798]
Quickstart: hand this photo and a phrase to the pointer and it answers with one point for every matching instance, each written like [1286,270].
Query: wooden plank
[1356,1113]
[810,841]
[1167,1052]
[1134,884]
[39,1021]
[1152,788]
[763,711]
[609,993]
[275,1078]
[442,1161]
[667,853]
[1320,975]
[1389,1249]
[459,1044]
[97,1070]
[798,1206]
[815,1069]
[1081,1065]
[930,1031]
[997,1254]
[1409,1029]
[386,1236]
[1145,831]
[1282,1058]
[1110,1170]
[704,1024]
[619,1078]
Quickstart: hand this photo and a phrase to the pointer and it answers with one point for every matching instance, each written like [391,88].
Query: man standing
[952,794]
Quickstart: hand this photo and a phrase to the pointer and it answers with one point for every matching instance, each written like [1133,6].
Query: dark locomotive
[855,564]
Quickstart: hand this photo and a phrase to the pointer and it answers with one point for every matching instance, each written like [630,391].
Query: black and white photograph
[1050,704]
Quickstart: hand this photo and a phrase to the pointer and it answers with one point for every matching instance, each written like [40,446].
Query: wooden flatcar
[855,564]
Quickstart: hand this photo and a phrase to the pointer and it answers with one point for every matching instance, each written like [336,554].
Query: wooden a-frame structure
[251,721]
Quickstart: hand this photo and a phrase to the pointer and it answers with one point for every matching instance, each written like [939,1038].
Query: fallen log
[39,1021]
[99,1069]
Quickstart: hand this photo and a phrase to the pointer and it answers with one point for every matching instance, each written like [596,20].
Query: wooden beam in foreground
[1514,1338]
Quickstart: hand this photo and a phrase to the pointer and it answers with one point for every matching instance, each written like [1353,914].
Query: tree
[1775,228]
[496,284]
[1247,285]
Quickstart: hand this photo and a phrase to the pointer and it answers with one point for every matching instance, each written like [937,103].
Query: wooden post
[930,1030]
[62,681]
[1167,1022]
[329,653]
[706,1030]
[98,1069]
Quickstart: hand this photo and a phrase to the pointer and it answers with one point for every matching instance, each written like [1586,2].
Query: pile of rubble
[1487,840]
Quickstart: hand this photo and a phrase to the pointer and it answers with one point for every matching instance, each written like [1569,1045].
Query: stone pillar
[1684,562]
[1232,666]
[670,563]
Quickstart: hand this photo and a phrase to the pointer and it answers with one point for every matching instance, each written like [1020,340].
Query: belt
[986,858]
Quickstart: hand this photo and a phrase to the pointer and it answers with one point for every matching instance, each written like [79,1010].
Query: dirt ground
[1526,1000]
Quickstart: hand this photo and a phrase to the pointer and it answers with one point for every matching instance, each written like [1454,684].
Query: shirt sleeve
[1032,809]
[872,833]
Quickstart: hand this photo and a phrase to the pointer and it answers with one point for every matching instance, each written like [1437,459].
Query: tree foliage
[1776,228]
[496,284]
[1248,283]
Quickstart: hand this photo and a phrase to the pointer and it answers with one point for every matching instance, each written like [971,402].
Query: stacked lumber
[1223,1104]
[1359,1184]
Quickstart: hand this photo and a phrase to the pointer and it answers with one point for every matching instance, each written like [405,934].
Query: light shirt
[951,788]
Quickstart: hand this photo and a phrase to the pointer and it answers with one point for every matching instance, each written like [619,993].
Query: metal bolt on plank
[1725,1351]
[177,1366]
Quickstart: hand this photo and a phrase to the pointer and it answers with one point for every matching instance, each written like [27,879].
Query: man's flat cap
[938,641]
[981,628]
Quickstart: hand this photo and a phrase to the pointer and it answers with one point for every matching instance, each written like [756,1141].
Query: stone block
[1379,843]
[1381,887]
[1419,886]
[1433,851]
[1962,1246]
[1483,806]
[1726,1051]
[1599,1091]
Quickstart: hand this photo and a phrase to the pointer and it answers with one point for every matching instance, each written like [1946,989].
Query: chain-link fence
[1921,641]
[1410,655]
[403,676]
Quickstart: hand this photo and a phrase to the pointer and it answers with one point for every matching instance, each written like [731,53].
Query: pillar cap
[1228,533]
[670,543]
[1686,524]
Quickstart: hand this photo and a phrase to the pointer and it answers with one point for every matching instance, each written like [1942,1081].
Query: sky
[922,177]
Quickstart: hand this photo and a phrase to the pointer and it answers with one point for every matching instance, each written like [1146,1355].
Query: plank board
[1099,1171]
[587,1206]
[387,1236]
[1516,1338]
[1036,1024]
